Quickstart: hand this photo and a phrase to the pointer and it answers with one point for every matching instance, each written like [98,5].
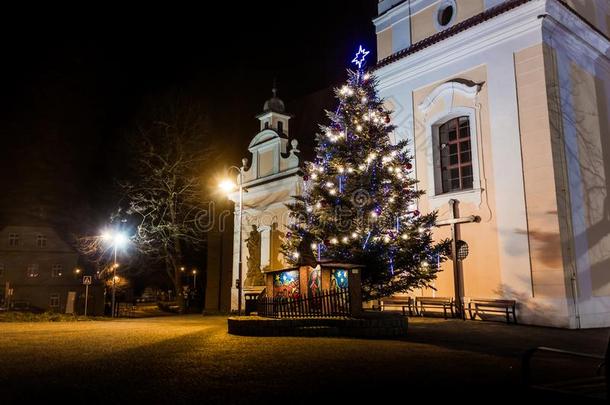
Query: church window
[280,127]
[455,155]
[445,14]
[266,124]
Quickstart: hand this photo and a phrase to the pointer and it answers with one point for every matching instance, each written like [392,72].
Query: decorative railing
[330,303]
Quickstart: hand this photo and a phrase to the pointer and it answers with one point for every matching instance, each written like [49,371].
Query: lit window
[455,155]
[13,239]
[41,240]
[56,270]
[54,301]
[32,271]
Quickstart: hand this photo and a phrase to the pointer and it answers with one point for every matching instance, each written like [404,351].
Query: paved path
[192,359]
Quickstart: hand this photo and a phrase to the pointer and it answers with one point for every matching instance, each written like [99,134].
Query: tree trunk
[173,270]
[176,257]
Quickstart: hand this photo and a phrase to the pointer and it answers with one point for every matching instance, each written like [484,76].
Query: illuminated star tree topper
[360,57]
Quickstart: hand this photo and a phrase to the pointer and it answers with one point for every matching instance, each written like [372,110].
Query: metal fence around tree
[330,303]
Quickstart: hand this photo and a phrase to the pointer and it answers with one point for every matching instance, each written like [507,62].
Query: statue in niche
[277,239]
[254,277]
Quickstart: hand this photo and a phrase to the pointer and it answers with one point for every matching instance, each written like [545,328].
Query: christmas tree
[358,205]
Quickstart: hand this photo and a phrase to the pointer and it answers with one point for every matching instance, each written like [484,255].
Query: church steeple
[274,113]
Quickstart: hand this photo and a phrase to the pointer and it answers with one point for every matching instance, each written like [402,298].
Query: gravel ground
[191,359]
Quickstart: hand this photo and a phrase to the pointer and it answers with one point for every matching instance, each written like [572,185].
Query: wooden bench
[440,302]
[594,386]
[506,307]
[406,303]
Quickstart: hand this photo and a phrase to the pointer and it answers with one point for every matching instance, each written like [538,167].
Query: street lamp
[229,186]
[116,240]
[194,278]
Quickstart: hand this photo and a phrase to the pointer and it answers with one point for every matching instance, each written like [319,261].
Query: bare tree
[165,196]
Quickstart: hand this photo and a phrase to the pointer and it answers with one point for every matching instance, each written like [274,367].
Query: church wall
[539,175]
[481,269]
[265,208]
[468,8]
[596,12]
[384,43]
[422,23]
[579,89]
[590,98]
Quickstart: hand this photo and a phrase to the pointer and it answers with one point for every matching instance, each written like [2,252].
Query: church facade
[506,106]
[270,178]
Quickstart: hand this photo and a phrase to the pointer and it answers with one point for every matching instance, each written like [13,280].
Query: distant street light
[229,186]
[116,240]
[195,278]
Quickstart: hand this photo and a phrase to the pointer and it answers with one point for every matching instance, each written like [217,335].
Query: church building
[506,106]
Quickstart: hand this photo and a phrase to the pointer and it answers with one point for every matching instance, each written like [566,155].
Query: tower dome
[274,104]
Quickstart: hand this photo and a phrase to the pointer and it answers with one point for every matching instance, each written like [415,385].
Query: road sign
[87,280]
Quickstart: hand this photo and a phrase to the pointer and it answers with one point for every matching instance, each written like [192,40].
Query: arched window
[455,154]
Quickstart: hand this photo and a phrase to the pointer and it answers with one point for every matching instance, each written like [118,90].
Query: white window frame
[41,240]
[56,270]
[54,298]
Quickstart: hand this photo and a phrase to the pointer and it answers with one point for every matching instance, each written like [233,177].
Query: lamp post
[115,239]
[228,186]
[195,279]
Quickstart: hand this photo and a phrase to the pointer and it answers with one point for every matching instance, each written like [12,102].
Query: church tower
[274,114]
[270,182]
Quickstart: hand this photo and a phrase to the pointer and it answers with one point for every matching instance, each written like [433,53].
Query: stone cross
[454,221]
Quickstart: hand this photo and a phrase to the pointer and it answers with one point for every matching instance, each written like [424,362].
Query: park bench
[446,303]
[594,386]
[506,307]
[406,303]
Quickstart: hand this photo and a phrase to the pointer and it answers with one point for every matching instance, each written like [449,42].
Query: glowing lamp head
[120,239]
[227,186]
[115,239]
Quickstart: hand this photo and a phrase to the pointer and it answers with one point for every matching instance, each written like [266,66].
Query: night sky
[74,79]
